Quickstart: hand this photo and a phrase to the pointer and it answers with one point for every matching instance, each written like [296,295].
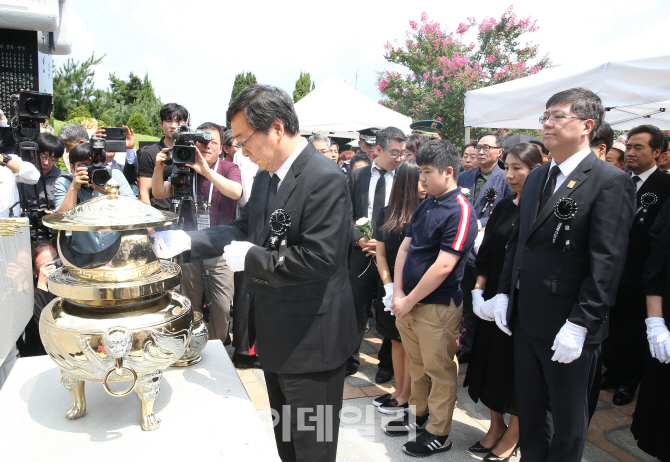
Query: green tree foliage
[242,81]
[73,86]
[78,112]
[303,86]
[138,123]
[442,67]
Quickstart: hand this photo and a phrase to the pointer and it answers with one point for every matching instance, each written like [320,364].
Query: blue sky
[192,50]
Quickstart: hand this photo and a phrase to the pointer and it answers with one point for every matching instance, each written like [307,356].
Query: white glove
[235,253]
[500,312]
[388,297]
[568,343]
[167,244]
[478,240]
[477,302]
[659,339]
[487,309]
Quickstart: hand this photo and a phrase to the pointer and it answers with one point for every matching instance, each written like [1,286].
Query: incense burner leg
[76,388]
[147,389]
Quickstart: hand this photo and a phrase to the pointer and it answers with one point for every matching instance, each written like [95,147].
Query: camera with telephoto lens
[182,153]
[97,172]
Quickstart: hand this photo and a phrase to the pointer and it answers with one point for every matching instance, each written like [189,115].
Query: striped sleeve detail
[463,224]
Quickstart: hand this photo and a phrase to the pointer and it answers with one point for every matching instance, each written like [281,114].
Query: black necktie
[635,180]
[380,197]
[272,192]
[549,187]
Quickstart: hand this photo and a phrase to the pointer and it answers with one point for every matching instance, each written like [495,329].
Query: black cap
[369,135]
[427,127]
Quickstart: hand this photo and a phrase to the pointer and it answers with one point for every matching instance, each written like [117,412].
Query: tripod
[183,206]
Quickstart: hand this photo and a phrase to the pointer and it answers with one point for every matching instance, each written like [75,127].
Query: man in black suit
[296,273]
[369,190]
[624,349]
[560,277]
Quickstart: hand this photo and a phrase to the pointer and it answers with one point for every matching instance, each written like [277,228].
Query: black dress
[651,425]
[490,374]
[385,320]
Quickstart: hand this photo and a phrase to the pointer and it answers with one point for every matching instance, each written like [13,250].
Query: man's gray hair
[73,132]
[319,137]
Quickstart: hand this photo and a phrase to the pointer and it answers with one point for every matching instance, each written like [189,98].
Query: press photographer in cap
[218,187]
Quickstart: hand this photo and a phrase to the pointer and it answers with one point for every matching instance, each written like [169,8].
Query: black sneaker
[402,426]
[379,400]
[427,444]
[392,407]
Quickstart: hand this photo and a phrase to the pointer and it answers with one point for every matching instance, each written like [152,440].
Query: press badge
[203,220]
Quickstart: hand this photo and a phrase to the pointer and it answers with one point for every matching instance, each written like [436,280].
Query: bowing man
[560,277]
[291,240]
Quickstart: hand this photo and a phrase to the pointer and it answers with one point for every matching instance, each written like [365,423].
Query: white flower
[362,221]
[465,191]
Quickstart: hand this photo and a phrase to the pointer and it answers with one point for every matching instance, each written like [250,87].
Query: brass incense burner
[115,318]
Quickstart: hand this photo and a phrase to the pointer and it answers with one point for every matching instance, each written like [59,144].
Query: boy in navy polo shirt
[427,299]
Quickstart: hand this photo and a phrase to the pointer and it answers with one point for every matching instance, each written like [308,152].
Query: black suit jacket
[639,244]
[305,320]
[578,284]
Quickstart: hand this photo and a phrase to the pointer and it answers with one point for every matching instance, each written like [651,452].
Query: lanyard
[207,204]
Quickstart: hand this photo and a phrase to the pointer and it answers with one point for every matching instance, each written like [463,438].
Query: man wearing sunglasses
[487,176]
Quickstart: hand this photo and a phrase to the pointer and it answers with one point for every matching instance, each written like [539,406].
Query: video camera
[97,172]
[182,153]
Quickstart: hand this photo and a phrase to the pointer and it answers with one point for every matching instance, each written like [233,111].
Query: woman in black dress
[651,427]
[490,375]
[405,196]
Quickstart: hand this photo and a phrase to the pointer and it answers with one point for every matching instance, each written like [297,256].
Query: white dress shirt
[284,168]
[568,165]
[643,177]
[9,193]
[389,176]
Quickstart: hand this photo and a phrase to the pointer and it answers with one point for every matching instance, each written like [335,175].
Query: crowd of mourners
[541,264]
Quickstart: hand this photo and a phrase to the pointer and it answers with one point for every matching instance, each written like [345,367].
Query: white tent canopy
[336,109]
[633,92]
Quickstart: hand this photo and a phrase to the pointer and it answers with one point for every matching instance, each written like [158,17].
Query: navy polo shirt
[444,223]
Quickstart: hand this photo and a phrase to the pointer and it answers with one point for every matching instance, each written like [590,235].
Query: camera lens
[100,177]
[183,155]
[33,105]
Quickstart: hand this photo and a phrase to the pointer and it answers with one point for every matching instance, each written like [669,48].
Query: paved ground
[362,440]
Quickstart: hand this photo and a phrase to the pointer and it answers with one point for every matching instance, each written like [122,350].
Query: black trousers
[364,284]
[244,325]
[469,317]
[552,399]
[625,347]
[308,406]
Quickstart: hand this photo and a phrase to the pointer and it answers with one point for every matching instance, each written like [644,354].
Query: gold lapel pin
[572,184]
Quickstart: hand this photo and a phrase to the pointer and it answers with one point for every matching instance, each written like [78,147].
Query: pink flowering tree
[442,67]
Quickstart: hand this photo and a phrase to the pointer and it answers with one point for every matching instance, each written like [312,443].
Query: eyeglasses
[325,152]
[556,119]
[51,160]
[242,144]
[485,147]
[396,154]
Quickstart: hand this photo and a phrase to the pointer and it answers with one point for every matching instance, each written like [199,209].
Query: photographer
[44,257]
[77,187]
[219,186]
[172,116]
[50,149]
[12,171]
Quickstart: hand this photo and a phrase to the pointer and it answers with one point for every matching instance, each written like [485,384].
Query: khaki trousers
[429,334]
[221,289]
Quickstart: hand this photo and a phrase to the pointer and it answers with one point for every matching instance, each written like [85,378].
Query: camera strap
[203,217]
